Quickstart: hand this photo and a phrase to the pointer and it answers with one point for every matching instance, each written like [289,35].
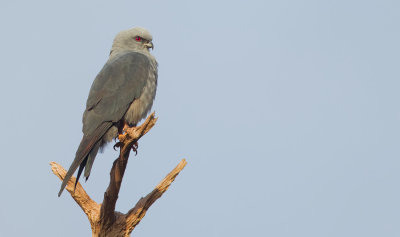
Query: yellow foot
[121,136]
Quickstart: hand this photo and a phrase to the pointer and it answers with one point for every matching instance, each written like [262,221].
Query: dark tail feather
[90,160]
[69,174]
[75,164]
[81,166]
[88,144]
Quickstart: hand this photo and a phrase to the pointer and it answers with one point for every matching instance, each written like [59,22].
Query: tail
[85,154]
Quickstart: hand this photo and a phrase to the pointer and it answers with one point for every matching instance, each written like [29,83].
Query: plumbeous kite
[121,94]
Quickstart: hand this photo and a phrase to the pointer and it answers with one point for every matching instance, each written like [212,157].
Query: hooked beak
[149,45]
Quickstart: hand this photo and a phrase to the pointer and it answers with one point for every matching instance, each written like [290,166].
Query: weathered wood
[89,207]
[104,220]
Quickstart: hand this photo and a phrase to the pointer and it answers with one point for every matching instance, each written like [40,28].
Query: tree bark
[104,220]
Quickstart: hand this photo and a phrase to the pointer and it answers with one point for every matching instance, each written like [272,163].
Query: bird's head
[137,39]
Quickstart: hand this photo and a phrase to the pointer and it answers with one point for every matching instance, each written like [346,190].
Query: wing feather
[118,84]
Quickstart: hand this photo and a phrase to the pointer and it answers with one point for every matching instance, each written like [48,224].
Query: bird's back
[123,91]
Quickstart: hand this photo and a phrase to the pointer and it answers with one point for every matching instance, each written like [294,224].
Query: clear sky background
[286,111]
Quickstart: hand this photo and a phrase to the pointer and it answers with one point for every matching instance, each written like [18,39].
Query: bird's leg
[121,133]
[121,136]
[136,145]
[126,126]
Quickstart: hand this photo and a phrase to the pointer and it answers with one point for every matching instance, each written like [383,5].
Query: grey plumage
[123,92]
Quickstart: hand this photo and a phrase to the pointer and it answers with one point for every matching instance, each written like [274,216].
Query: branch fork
[103,218]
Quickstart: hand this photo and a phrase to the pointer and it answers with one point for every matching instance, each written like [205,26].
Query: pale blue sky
[286,111]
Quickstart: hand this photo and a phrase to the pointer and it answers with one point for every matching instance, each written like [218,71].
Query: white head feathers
[135,39]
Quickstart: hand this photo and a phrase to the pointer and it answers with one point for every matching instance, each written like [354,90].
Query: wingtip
[60,192]
[63,185]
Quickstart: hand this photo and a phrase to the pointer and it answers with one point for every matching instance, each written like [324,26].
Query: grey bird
[121,95]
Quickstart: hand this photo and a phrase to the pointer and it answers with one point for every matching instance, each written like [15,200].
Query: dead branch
[103,218]
[89,207]
[135,215]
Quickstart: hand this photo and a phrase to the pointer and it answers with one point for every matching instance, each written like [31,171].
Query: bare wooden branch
[136,214]
[127,141]
[89,207]
[104,220]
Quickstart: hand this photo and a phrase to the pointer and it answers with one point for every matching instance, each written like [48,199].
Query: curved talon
[118,145]
[135,148]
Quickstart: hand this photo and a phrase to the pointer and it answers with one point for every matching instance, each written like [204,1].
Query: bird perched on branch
[121,95]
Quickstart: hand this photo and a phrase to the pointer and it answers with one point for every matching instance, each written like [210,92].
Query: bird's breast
[141,106]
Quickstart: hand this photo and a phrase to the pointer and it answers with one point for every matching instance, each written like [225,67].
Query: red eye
[138,38]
